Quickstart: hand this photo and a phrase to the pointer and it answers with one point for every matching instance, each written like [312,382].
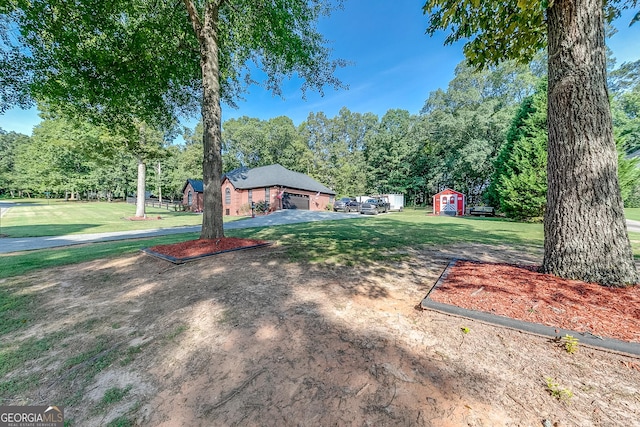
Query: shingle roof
[274,175]
[197,185]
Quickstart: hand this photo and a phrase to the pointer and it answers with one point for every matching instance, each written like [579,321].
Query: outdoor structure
[449,202]
[279,187]
[192,195]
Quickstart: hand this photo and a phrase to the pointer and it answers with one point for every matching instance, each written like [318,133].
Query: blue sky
[394,65]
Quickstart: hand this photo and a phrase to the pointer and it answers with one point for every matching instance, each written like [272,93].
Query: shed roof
[448,191]
[274,175]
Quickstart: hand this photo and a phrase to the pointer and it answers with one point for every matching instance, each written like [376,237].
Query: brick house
[192,195]
[281,188]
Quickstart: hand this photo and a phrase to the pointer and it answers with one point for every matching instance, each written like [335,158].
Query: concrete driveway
[277,218]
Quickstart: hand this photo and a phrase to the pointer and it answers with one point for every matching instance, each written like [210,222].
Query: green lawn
[18,263]
[360,241]
[632,213]
[36,218]
[346,242]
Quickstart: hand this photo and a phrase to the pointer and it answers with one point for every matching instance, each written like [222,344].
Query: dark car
[374,206]
[346,204]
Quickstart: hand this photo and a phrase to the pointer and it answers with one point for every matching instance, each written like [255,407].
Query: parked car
[346,204]
[374,206]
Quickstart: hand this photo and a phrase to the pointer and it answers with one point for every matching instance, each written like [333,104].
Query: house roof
[197,185]
[274,175]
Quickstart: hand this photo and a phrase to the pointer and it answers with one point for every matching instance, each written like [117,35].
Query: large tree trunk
[584,225]
[207,32]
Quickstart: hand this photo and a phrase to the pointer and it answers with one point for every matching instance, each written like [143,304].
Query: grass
[37,218]
[16,264]
[15,309]
[16,356]
[361,241]
[112,396]
[346,242]
[632,213]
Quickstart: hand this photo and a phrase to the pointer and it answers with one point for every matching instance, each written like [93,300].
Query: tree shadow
[19,231]
[233,340]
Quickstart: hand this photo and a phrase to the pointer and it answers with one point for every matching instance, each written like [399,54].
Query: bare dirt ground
[250,339]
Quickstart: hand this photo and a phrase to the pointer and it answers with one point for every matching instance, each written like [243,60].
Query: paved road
[277,218]
[633,226]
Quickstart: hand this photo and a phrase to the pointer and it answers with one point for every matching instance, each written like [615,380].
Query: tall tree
[584,224]
[153,61]
[519,183]
[389,152]
[10,144]
[466,125]
[317,131]
[351,131]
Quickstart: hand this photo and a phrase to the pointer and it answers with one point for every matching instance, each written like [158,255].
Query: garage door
[295,201]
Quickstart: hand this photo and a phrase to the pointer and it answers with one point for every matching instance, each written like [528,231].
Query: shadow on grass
[283,342]
[356,241]
[17,263]
[45,230]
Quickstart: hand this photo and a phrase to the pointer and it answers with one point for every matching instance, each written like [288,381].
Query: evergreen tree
[519,183]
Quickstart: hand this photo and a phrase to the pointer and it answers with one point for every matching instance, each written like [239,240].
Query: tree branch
[195,19]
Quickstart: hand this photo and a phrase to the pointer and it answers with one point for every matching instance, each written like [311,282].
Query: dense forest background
[485,135]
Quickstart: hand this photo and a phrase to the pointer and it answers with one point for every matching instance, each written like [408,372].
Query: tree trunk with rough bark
[584,225]
[206,30]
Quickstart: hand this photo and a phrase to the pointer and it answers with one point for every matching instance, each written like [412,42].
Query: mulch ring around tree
[519,296]
[179,253]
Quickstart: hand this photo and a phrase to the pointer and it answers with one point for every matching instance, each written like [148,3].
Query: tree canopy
[499,30]
[156,60]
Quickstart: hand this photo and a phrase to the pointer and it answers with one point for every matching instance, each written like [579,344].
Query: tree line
[485,135]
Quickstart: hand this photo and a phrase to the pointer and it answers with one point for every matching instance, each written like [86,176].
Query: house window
[250,196]
[189,198]
[227,196]
[267,194]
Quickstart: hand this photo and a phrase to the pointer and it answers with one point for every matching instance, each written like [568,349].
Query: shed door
[295,201]
[448,204]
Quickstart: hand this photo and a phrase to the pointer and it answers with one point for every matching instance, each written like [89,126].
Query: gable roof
[273,175]
[448,191]
[197,185]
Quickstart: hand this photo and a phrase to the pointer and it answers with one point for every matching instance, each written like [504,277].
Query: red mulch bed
[520,292]
[203,247]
